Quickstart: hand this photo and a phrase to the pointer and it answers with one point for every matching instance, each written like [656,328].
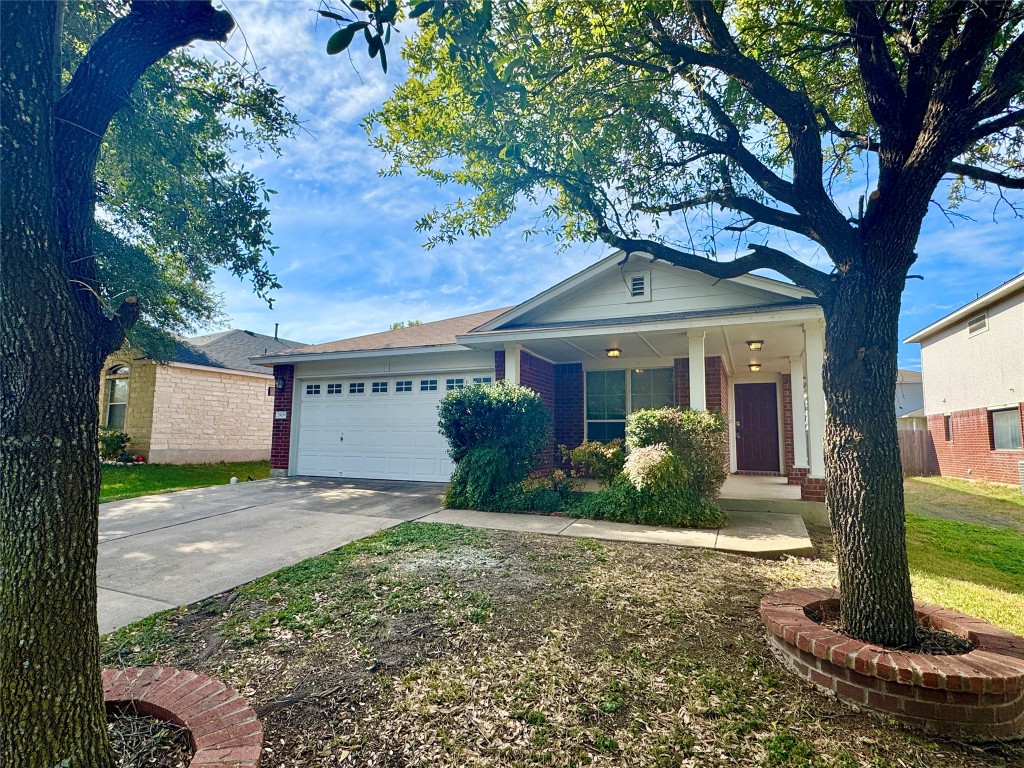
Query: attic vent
[977,324]
[637,285]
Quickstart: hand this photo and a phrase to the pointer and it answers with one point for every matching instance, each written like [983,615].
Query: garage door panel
[386,436]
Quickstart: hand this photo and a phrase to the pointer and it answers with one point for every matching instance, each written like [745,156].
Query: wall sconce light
[613,352]
[755,345]
[754,367]
[279,384]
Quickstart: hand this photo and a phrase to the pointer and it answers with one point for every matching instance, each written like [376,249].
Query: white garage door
[382,428]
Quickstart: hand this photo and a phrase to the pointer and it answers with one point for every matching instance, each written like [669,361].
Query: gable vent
[977,324]
[637,285]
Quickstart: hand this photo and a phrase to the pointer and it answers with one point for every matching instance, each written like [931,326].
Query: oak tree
[104,229]
[629,121]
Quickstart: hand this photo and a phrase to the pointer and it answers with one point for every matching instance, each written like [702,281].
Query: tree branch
[988,176]
[881,81]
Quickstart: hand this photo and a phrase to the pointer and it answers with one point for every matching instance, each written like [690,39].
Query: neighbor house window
[947,426]
[117,395]
[1005,426]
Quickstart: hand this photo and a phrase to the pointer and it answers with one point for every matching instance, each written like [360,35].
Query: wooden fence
[917,453]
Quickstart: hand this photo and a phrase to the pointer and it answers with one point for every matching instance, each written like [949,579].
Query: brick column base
[812,489]
[797,475]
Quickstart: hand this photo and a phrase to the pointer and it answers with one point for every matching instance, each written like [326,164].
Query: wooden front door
[757,428]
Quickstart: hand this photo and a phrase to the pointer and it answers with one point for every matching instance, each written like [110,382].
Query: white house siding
[963,372]
[206,414]
[672,290]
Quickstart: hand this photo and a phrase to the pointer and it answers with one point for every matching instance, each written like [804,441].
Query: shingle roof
[230,349]
[437,333]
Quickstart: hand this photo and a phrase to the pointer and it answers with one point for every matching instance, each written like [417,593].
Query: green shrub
[675,505]
[495,435]
[653,468]
[112,443]
[697,438]
[601,461]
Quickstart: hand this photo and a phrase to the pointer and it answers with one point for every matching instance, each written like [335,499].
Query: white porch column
[512,362]
[814,348]
[698,396]
[796,386]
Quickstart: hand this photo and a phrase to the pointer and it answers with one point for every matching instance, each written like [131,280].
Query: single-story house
[623,334]
[207,403]
[910,401]
[973,373]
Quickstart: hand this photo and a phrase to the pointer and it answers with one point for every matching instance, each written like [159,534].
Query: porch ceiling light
[613,352]
[754,367]
[755,345]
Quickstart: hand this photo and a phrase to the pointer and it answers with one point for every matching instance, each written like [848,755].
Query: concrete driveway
[159,552]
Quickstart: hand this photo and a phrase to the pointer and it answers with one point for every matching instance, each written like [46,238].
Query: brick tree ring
[223,728]
[975,696]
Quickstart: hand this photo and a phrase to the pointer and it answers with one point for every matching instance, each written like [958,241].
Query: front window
[613,394]
[117,396]
[1006,429]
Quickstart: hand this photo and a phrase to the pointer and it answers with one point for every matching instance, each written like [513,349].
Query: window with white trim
[403,386]
[117,396]
[312,389]
[484,380]
[611,395]
[379,387]
[451,384]
[977,324]
[334,389]
[428,385]
[1005,428]
[356,388]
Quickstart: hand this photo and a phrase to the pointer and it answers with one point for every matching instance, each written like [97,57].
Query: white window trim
[629,392]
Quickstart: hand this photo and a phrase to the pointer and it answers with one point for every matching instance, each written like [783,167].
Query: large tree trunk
[51,700]
[55,336]
[862,458]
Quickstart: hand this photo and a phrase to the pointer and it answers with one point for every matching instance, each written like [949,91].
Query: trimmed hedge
[495,435]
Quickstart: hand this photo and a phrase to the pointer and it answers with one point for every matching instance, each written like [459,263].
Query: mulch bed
[936,642]
[141,741]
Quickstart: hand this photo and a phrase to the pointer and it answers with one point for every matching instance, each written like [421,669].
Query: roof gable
[603,292]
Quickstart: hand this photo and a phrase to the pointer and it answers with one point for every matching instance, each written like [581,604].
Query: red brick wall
[969,454]
[280,440]
[787,423]
[499,365]
[716,384]
[681,375]
[568,411]
[539,375]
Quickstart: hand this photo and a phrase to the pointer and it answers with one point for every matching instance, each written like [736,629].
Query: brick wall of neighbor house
[539,375]
[568,414]
[207,414]
[138,417]
[282,429]
[499,365]
[969,454]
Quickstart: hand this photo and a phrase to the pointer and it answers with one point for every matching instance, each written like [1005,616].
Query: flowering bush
[652,467]
[112,443]
[601,461]
[697,438]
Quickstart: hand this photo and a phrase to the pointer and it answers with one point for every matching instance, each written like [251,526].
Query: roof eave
[352,354]
[998,293]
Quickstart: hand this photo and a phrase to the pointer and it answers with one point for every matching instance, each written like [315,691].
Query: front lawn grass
[126,481]
[966,547]
[431,645]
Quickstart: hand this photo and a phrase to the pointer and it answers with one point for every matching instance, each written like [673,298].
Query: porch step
[814,513]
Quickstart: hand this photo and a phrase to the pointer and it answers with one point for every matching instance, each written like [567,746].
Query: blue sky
[349,258]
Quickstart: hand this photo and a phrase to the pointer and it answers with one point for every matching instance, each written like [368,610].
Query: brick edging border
[976,696]
[223,728]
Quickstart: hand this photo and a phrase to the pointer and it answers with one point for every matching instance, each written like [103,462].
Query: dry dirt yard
[430,645]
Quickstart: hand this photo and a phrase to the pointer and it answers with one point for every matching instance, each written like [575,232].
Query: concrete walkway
[159,552]
[163,551]
[761,534]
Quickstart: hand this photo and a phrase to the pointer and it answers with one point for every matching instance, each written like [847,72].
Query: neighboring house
[973,372]
[620,335]
[910,401]
[208,403]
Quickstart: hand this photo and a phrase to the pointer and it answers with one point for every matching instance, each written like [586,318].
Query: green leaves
[421,8]
[342,39]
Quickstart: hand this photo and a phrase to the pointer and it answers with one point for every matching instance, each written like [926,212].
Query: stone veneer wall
[138,417]
[206,415]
